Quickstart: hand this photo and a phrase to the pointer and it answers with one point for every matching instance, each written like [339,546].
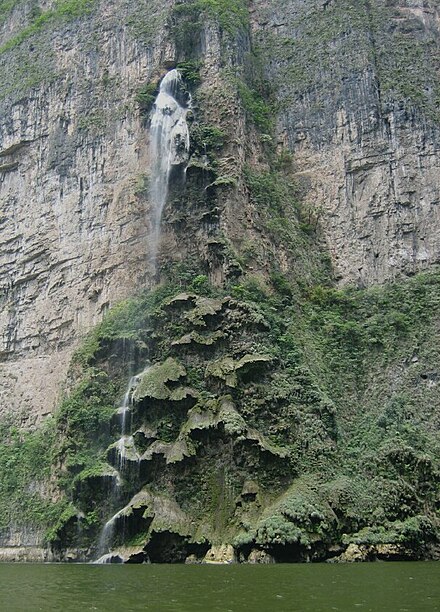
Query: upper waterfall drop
[169,145]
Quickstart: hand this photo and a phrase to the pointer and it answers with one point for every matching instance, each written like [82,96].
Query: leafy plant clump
[26,498]
[190,71]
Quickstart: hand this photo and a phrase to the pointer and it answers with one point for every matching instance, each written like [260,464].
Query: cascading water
[125,409]
[107,531]
[169,147]
[169,154]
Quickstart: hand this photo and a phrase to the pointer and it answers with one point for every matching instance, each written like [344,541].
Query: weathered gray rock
[25,554]
[359,115]
[73,156]
[260,557]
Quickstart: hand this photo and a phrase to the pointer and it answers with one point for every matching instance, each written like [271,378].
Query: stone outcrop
[220,555]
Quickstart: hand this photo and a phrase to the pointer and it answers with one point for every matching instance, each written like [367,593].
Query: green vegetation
[206,143]
[256,107]
[206,139]
[376,468]
[63,9]
[25,467]
[187,21]
[276,396]
[83,420]
[190,71]
[231,14]
[275,411]
[146,96]
[289,224]
[94,121]
[75,438]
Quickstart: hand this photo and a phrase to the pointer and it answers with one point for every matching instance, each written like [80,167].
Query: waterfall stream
[169,147]
[169,150]
[107,532]
[125,409]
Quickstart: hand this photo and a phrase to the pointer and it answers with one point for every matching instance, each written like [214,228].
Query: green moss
[154,381]
[25,469]
[128,321]
[83,413]
[68,514]
[230,13]
[224,369]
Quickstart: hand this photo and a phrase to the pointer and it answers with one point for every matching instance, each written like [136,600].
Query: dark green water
[379,587]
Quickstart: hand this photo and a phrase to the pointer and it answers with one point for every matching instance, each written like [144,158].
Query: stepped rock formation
[313,162]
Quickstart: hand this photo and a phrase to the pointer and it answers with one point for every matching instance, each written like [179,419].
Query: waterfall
[107,532]
[169,153]
[125,409]
[105,539]
[169,147]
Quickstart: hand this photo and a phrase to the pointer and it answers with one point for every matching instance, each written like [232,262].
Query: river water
[378,587]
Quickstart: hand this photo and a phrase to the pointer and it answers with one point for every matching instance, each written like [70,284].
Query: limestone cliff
[314,164]
[73,155]
[354,93]
[356,88]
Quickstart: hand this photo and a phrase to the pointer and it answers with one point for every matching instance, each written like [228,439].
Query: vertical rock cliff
[74,156]
[357,93]
[283,338]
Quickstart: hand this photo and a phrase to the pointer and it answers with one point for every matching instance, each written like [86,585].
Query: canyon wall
[291,322]
[74,154]
[355,100]
[356,87]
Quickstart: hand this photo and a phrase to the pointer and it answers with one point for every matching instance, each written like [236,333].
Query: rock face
[358,111]
[73,156]
[221,555]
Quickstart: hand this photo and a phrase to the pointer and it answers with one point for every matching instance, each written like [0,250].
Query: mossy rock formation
[239,445]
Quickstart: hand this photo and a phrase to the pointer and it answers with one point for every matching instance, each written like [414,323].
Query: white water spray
[169,146]
[124,443]
[125,409]
[105,540]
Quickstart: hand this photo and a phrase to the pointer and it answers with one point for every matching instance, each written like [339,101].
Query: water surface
[378,587]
